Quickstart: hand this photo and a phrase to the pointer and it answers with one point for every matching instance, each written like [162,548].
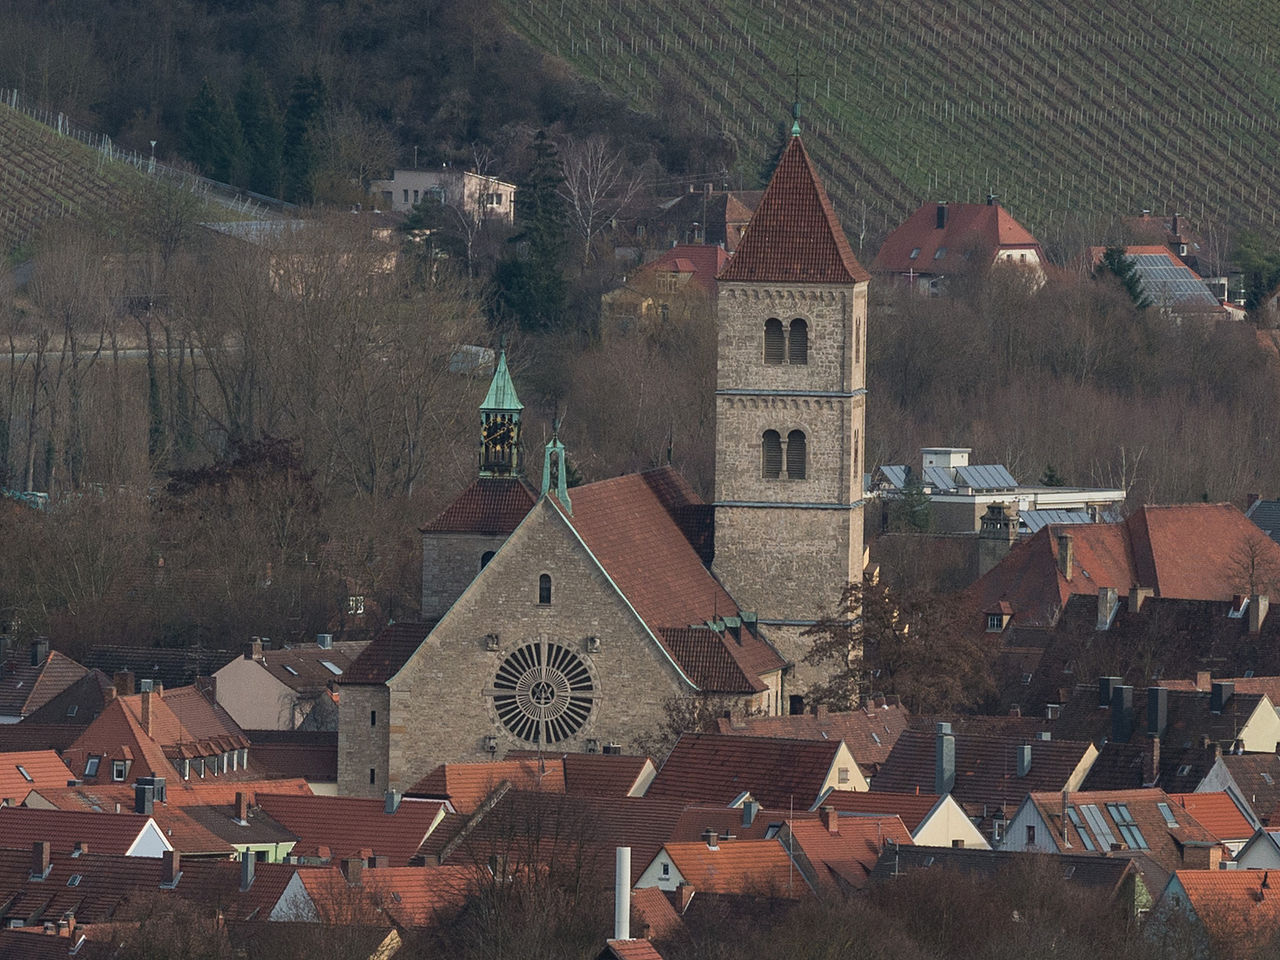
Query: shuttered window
[798,345]
[775,342]
[796,455]
[771,455]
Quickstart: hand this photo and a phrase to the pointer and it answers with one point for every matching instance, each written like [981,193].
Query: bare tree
[596,187]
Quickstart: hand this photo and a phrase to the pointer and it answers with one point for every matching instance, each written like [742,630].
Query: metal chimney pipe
[622,895]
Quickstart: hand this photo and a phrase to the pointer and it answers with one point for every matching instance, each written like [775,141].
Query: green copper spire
[502,392]
[795,115]
[554,479]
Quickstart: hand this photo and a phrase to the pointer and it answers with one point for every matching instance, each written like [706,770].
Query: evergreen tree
[301,128]
[263,134]
[1052,478]
[529,282]
[782,138]
[212,138]
[1124,269]
[912,512]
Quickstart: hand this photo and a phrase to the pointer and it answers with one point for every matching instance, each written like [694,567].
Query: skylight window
[915,252]
[331,667]
[291,670]
[1127,825]
[1268,780]
[91,766]
[73,880]
[1165,811]
[942,252]
[1099,824]
[876,738]
[1075,820]
[25,776]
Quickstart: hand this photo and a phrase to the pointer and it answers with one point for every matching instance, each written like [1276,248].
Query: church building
[565,619]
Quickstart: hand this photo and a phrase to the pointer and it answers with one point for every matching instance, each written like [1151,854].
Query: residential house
[479,196]
[66,831]
[466,786]
[869,731]
[838,852]
[772,771]
[757,868]
[600,774]
[1260,852]
[1266,515]
[27,770]
[1177,235]
[171,667]
[943,240]
[666,295]
[28,684]
[294,688]
[361,895]
[79,704]
[716,218]
[933,821]
[635,949]
[1231,913]
[308,755]
[1256,781]
[1169,284]
[330,829]
[987,775]
[1230,820]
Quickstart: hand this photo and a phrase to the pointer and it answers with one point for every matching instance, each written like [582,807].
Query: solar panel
[986,477]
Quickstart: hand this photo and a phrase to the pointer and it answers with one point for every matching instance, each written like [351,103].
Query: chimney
[1220,695]
[392,801]
[39,859]
[1258,605]
[749,811]
[146,710]
[1151,762]
[353,870]
[1138,596]
[381,861]
[711,839]
[253,650]
[123,681]
[1024,759]
[1157,711]
[64,928]
[242,807]
[944,761]
[1201,856]
[830,819]
[144,797]
[1105,686]
[622,894]
[685,893]
[1108,602]
[172,860]
[1121,713]
[324,641]
[942,216]
[39,651]
[246,870]
[1203,678]
[1066,555]
[1174,229]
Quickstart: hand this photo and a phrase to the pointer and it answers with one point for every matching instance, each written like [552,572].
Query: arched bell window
[796,455]
[771,455]
[775,341]
[798,342]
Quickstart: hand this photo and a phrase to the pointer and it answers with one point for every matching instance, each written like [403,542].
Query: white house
[481,196]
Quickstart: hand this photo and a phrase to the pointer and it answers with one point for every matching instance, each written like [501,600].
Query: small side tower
[790,410]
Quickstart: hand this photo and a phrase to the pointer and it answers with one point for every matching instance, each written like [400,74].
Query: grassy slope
[1067,111]
[44,175]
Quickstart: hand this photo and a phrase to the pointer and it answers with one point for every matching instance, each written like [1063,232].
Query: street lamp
[151,167]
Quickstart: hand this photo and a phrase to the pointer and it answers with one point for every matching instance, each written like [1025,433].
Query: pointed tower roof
[502,392]
[794,236]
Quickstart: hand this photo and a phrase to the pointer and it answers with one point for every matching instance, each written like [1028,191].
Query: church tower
[500,425]
[790,410]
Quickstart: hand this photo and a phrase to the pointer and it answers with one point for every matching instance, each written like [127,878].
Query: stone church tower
[790,410]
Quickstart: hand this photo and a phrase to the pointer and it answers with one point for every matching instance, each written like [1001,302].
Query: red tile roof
[970,228]
[911,808]
[729,822]
[26,688]
[777,773]
[493,506]
[307,660]
[1238,913]
[1258,776]
[596,774]
[1217,813]
[630,950]
[43,769]
[411,896]
[869,733]
[702,260]
[847,856]
[794,235]
[183,831]
[752,867]
[654,910]
[388,652]
[338,827]
[466,785]
[109,833]
[707,658]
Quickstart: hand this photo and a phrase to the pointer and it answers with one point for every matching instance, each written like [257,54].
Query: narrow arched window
[857,342]
[485,558]
[775,342]
[798,343]
[795,455]
[771,455]
[544,588]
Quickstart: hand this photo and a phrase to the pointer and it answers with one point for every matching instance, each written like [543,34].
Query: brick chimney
[172,860]
[353,870]
[830,819]
[1151,761]
[1258,606]
[123,681]
[39,859]
[1203,679]
[146,711]
[242,807]
[1066,555]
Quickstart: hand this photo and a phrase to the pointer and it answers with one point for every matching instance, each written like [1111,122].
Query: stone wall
[363,746]
[450,561]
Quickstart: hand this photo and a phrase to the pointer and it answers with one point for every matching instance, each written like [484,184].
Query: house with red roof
[27,684]
[869,732]
[931,820]
[26,770]
[838,852]
[1232,913]
[755,868]
[356,894]
[330,829]
[66,831]
[942,240]
[293,688]
[674,290]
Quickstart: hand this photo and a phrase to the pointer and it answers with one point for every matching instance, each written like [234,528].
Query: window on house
[796,455]
[771,455]
[117,771]
[857,342]
[997,829]
[665,312]
[23,772]
[941,252]
[1127,826]
[1165,811]
[957,844]
[843,775]
[331,667]
[91,766]
[406,196]
[373,718]
[355,606]
[73,709]
[493,199]
[544,588]
[1099,825]
[415,196]
[666,870]
[1031,834]
[798,344]
[1074,817]
[775,341]
[915,252]
[995,622]
[373,776]
[485,558]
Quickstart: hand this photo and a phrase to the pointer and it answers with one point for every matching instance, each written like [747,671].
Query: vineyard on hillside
[1068,112]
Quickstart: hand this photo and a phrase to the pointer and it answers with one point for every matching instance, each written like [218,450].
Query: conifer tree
[211,135]
[1125,270]
[301,126]
[263,134]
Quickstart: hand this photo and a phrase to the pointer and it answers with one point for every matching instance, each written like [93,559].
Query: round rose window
[543,693]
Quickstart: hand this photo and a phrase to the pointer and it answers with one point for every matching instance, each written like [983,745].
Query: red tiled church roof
[491,505]
[794,236]
[389,651]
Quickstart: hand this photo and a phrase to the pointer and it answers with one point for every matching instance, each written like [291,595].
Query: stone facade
[365,726]
[631,675]
[786,547]
[450,561]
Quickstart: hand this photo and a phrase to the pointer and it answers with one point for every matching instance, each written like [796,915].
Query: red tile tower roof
[794,236]
[491,505]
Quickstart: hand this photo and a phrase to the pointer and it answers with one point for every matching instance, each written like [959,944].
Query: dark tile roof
[1266,515]
[388,652]
[309,673]
[26,687]
[912,808]
[707,658]
[869,733]
[986,767]
[311,755]
[695,519]
[32,943]
[110,833]
[467,785]
[172,667]
[490,505]
[777,773]
[1103,873]
[970,228]
[38,736]
[794,235]
[78,704]
[1258,777]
